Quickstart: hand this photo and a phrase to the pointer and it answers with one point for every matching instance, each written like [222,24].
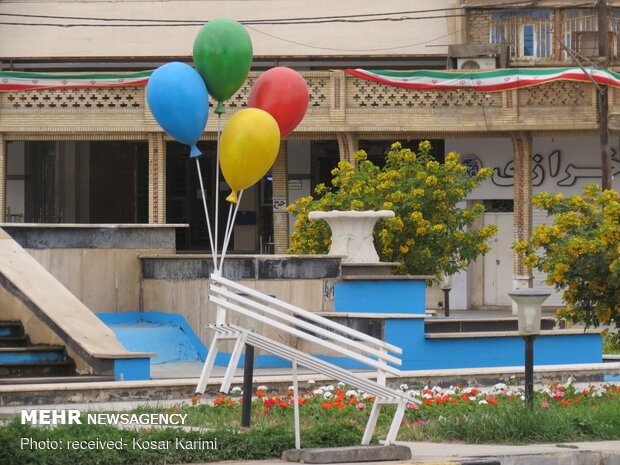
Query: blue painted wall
[31,357]
[422,353]
[132,369]
[381,296]
[166,334]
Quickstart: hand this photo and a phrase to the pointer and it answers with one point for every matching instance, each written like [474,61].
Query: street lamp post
[446,287]
[529,304]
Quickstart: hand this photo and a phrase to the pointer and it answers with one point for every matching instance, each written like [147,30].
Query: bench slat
[386,394]
[381,365]
[307,314]
[305,325]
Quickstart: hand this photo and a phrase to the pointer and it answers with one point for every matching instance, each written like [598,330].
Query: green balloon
[223,56]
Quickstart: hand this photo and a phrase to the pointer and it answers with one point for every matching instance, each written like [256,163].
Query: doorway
[498,263]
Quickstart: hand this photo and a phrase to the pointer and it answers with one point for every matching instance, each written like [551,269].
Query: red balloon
[283,94]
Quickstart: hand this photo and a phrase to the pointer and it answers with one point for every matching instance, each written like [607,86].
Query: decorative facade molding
[522,144]
[157,179]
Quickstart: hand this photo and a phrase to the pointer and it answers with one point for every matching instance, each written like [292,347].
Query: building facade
[96,155]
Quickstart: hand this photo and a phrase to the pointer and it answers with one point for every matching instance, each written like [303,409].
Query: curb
[561,458]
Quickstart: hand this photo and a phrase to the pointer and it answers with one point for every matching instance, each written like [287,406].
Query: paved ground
[582,453]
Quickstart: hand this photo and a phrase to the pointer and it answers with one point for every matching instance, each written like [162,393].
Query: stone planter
[352,233]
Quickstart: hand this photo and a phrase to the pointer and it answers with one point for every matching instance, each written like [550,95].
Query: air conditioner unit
[476,63]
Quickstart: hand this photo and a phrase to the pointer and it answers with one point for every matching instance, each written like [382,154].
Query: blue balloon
[179,101]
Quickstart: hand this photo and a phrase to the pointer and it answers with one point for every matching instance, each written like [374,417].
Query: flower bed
[562,412]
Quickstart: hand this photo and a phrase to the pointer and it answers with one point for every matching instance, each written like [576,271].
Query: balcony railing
[338,102]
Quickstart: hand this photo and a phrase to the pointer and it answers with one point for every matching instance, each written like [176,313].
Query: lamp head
[446,282]
[529,304]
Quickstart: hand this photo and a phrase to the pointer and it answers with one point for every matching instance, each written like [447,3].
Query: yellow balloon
[248,147]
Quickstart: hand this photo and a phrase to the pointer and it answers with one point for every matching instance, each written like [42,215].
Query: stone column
[348,144]
[279,173]
[157,178]
[3,162]
[522,144]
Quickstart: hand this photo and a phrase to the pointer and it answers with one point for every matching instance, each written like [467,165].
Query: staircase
[20,360]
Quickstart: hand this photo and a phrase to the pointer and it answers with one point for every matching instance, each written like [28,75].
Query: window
[580,32]
[529,33]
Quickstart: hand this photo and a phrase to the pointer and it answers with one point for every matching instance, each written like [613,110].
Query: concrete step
[21,359]
[33,353]
[56,379]
[11,328]
[12,334]
[13,341]
[456,325]
[37,369]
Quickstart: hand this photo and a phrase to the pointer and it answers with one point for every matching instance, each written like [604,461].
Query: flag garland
[485,81]
[14,81]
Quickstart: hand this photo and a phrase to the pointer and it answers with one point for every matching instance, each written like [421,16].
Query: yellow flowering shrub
[429,234]
[580,253]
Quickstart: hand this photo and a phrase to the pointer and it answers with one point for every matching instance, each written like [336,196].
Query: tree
[429,234]
[580,252]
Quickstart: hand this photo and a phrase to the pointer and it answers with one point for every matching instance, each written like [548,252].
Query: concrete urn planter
[352,233]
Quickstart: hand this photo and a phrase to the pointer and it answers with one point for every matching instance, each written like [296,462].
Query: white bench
[311,328]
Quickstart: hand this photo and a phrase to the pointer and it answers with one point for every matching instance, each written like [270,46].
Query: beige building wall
[410,37]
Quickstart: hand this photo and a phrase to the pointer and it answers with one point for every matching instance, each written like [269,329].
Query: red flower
[230,403]
[269,402]
[492,400]
[352,400]
[283,404]
[428,402]
[260,393]
[195,400]
[326,405]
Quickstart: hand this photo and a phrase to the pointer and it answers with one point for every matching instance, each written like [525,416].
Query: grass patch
[56,446]
[330,418]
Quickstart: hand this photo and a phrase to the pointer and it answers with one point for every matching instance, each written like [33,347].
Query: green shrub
[429,235]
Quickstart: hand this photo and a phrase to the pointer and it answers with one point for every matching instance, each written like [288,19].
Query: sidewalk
[429,453]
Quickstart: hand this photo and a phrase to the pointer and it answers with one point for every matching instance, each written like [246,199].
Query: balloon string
[204,203]
[226,234]
[229,228]
[217,181]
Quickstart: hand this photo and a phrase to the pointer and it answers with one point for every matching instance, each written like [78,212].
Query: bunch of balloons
[178,96]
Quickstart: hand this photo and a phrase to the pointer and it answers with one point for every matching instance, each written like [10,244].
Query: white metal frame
[307,326]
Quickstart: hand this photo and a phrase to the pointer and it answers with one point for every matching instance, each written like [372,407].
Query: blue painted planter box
[385,296]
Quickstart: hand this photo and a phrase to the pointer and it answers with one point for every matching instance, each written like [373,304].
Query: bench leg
[208,366]
[395,426]
[234,362]
[372,422]
[296,407]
